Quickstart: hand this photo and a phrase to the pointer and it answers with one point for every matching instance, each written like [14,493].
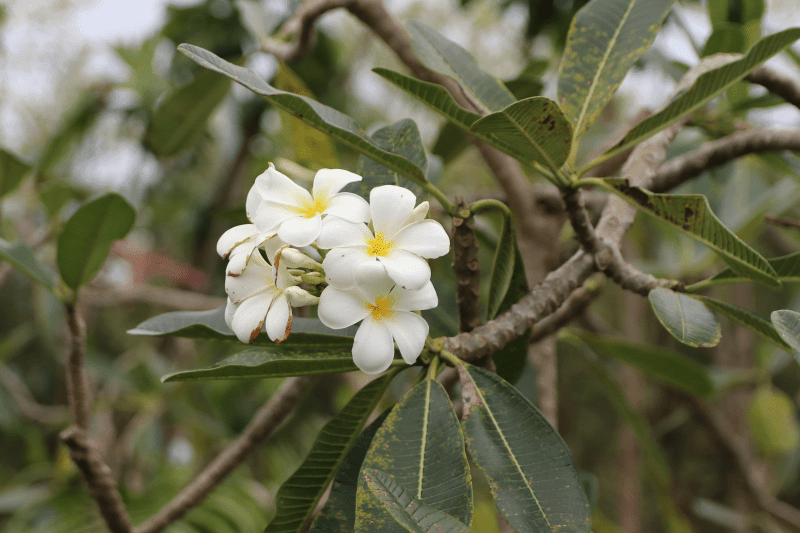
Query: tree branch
[777,83]
[301,25]
[465,268]
[28,406]
[77,389]
[265,421]
[783,221]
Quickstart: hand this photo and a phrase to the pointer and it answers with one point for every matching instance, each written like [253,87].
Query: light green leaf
[691,214]
[182,116]
[298,496]
[686,318]
[22,258]
[210,325]
[530,469]
[421,445]
[88,235]
[605,39]
[787,269]
[773,422]
[324,118]
[535,129]
[788,325]
[12,170]
[446,57]
[661,364]
[707,87]
[728,38]
[400,138]
[408,511]
[338,515]
[755,323]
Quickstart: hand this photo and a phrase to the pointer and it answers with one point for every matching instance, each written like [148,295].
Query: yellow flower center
[309,209]
[379,246]
[382,308]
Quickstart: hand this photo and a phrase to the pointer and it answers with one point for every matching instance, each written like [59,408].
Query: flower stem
[437,193]
[432,368]
[488,204]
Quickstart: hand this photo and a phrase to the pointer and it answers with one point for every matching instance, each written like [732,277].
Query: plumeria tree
[332,274]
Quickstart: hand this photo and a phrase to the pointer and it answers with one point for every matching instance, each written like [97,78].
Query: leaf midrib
[95,237]
[425,420]
[546,157]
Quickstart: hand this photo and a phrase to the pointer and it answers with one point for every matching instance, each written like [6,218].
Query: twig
[77,390]
[269,417]
[465,268]
[777,83]
[717,153]
[97,475]
[783,221]
[28,406]
[301,25]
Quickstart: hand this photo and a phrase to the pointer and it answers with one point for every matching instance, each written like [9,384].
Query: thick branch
[269,417]
[576,304]
[717,153]
[777,83]
[465,268]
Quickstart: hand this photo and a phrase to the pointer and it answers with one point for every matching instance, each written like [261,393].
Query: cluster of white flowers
[374,272]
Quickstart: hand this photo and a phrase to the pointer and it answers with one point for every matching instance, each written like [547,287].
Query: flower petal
[339,309]
[256,278]
[424,298]
[348,206]
[390,207]
[300,231]
[338,232]
[373,349]
[230,310]
[340,265]
[409,332]
[278,319]
[238,262]
[233,237]
[419,213]
[281,271]
[408,270]
[426,239]
[329,181]
[373,281]
[249,317]
[276,187]
[254,199]
[270,215]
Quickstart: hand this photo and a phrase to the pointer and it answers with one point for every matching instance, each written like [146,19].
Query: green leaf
[535,129]
[88,235]
[502,269]
[336,124]
[530,469]
[421,445]
[56,194]
[686,318]
[691,214]
[298,496]
[729,38]
[183,115]
[788,325]
[707,87]
[338,515]
[446,57]
[661,364]
[22,258]
[529,81]
[787,269]
[773,422]
[605,39]
[401,138]
[407,510]
[12,170]
[210,325]
[450,143]
[76,124]
[752,321]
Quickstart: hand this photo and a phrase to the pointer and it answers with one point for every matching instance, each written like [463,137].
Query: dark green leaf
[786,267]
[691,214]
[21,256]
[446,57]
[298,496]
[686,318]
[755,323]
[450,143]
[666,366]
[502,269]
[535,129]
[421,445]
[88,236]
[56,194]
[407,510]
[182,117]
[326,119]
[730,38]
[401,138]
[788,325]
[530,469]
[604,41]
[707,87]
[12,170]
[338,515]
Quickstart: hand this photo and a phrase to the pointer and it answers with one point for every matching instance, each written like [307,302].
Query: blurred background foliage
[79,116]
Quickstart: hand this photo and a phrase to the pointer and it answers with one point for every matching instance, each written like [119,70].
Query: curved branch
[269,417]
[777,83]
[302,26]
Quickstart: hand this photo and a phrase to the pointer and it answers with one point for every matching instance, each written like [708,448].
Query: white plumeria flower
[401,242]
[239,242]
[263,293]
[277,203]
[386,312]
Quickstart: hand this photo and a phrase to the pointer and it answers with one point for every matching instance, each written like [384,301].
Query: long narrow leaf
[755,323]
[786,267]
